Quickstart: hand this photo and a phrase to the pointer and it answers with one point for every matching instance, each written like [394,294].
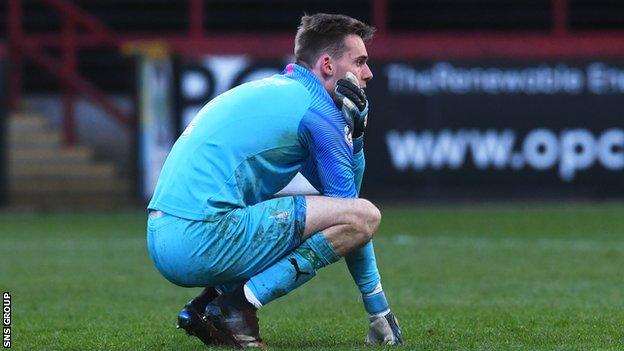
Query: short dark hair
[324,32]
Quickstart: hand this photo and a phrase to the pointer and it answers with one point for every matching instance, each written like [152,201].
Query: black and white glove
[384,330]
[353,103]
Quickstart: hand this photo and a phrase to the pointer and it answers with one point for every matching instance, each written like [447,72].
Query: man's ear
[326,65]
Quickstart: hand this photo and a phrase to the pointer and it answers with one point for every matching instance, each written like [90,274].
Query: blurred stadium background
[471,99]
[513,105]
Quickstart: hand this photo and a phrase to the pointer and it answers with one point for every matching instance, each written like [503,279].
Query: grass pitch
[499,277]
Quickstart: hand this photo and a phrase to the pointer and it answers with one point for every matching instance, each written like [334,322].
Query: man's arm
[329,167]
[362,264]
[332,168]
[359,162]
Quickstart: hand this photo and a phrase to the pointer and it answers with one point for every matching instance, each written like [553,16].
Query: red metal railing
[559,43]
[31,47]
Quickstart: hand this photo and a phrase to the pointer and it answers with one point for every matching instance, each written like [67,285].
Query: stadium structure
[501,88]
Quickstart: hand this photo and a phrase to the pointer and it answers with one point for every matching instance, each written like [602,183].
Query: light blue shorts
[240,244]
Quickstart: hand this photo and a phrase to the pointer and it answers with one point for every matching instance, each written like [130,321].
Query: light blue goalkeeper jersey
[249,142]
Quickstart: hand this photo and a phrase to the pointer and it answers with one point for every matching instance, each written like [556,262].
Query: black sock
[206,296]
[237,299]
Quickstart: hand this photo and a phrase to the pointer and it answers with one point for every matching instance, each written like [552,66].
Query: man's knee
[351,224]
[367,218]
[358,216]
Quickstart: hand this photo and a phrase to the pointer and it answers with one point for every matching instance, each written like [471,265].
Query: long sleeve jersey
[249,142]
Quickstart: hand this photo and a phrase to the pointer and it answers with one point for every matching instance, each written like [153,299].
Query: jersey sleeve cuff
[358,144]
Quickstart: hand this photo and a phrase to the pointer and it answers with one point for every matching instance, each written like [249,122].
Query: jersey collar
[309,80]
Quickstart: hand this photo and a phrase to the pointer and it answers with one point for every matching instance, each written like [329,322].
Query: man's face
[354,60]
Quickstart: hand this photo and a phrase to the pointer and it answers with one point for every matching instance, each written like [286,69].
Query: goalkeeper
[214,221]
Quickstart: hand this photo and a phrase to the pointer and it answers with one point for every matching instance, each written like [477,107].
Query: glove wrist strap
[376,303]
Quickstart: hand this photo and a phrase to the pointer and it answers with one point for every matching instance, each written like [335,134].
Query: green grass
[493,277]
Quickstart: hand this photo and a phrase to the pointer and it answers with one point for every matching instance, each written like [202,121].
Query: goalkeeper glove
[353,103]
[384,329]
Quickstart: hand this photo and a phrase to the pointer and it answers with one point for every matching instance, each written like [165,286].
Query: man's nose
[367,74]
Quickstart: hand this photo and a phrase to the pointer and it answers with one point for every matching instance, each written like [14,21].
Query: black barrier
[520,129]
[482,129]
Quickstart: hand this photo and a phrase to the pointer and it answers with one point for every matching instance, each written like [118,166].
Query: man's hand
[353,102]
[384,330]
